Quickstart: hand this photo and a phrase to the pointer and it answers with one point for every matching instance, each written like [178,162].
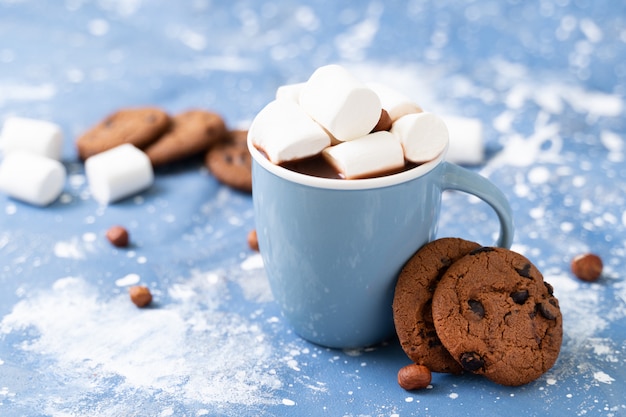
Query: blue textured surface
[547,79]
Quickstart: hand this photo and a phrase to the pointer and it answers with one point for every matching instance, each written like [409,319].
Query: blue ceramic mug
[333,249]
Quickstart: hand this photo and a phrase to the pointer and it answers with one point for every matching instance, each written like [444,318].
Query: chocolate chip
[477,308]
[519,297]
[243,156]
[471,361]
[547,311]
[433,339]
[549,288]
[432,334]
[481,250]
[524,271]
[434,342]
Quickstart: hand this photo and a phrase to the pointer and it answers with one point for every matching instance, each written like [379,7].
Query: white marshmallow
[366,156]
[339,102]
[32,178]
[117,173]
[466,140]
[396,103]
[285,132]
[289,92]
[36,136]
[423,136]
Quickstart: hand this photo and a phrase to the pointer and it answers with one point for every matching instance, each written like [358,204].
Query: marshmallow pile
[31,170]
[335,114]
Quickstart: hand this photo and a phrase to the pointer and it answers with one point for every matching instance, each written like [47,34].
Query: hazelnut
[140,295]
[587,267]
[118,236]
[414,376]
[253,241]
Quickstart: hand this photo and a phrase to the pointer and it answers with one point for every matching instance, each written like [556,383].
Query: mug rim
[343,184]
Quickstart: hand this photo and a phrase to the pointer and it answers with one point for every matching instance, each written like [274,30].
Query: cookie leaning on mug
[412,302]
[497,317]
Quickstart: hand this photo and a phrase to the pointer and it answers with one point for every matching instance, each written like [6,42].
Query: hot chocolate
[318,166]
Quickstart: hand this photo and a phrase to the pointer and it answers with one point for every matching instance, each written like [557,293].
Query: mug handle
[461,179]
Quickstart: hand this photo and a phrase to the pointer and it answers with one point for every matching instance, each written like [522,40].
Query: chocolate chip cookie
[497,317]
[192,132]
[230,161]
[137,126]
[412,312]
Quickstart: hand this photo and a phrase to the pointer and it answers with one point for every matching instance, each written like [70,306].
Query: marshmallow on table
[118,172]
[32,178]
[339,102]
[366,156]
[396,103]
[423,136]
[36,136]
[285,132]
[466,140]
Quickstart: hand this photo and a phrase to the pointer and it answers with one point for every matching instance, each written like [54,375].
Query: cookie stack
[163,138]
[462,307]
[166,139]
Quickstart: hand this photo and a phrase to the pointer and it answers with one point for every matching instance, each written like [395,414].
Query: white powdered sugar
[188,348]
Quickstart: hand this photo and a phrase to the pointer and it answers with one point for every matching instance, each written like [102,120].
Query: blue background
[546,78]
